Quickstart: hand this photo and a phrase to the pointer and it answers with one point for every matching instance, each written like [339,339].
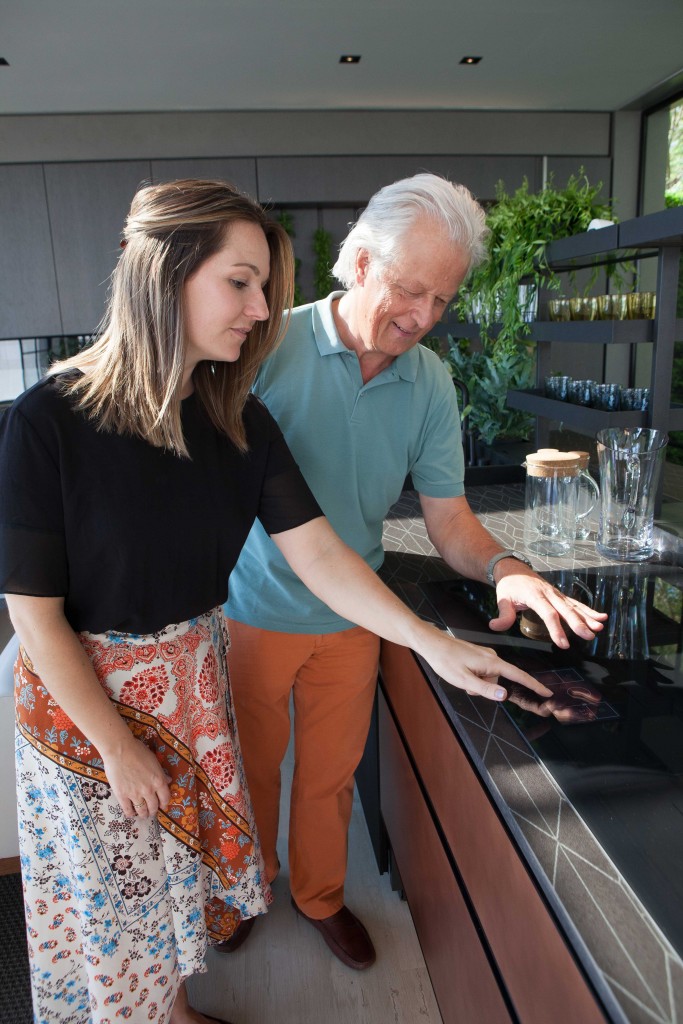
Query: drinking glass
[605,396]
[580,391]
[619,307]
[557,386]
[605,307]
[582,309]
[635,398]
[634,306]
[629,398]
[558,309]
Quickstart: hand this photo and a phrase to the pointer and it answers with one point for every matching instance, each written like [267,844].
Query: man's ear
[362,265]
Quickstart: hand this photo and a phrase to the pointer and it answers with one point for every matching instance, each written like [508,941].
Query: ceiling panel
[160,55]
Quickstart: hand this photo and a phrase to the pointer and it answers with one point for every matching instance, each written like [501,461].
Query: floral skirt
[119,910]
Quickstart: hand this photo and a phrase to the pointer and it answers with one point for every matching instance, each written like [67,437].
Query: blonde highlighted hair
[131,378]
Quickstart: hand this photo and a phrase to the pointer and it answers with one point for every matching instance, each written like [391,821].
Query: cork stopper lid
[551,462]
[584,459]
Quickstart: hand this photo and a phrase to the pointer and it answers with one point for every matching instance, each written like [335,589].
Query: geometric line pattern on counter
[631,961]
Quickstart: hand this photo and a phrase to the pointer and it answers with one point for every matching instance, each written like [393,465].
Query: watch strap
[499,557]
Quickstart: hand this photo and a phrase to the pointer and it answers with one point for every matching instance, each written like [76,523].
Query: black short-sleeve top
[132,536]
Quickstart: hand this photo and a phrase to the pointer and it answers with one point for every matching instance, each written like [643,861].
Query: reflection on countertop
[595,805]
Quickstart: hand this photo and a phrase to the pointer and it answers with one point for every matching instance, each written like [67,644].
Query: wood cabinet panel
[464,983]
[29,306]
[88,203]
[539,970]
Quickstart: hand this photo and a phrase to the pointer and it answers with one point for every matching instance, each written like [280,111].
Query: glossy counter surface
[618,902]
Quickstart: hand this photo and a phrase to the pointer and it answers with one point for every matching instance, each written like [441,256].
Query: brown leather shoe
[240,935]
[346,936]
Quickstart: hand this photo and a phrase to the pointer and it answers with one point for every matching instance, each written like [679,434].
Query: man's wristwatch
[497,558]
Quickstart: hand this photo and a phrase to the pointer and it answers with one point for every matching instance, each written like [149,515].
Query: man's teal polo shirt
[355,444]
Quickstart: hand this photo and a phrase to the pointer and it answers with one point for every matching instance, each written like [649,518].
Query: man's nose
[425,311]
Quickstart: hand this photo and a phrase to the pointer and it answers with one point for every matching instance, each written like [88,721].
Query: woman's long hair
[132,376]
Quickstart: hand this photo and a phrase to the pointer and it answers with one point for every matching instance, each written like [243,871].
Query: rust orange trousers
[332,678]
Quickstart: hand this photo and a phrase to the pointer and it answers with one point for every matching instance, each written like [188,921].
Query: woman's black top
[132,536]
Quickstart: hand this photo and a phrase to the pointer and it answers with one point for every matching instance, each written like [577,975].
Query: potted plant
[497,296]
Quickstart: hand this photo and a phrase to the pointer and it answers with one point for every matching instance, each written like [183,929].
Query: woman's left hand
[520,590]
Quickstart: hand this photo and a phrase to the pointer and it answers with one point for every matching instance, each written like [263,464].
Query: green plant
[487,378]
[322,247]
[521,224]
[285,219]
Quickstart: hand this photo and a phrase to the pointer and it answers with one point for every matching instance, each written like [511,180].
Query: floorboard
[285,973]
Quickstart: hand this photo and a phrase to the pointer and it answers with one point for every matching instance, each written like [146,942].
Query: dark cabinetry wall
[241,171]
[28,286]
[88,203]
[62,221]
[62,214]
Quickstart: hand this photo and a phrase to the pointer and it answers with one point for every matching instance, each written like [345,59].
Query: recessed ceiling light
[470,60]
[4,63]
[349,58]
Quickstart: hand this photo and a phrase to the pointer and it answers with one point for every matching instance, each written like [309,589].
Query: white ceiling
[70,56]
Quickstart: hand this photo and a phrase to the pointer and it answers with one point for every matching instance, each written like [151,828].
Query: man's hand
[524,589]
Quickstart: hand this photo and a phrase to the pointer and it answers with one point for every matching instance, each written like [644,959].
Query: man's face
[398,305]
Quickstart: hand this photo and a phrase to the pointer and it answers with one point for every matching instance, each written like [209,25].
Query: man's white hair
[393,211]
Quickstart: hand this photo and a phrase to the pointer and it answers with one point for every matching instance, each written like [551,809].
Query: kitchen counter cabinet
[466,985]
[477,823]
[535,970]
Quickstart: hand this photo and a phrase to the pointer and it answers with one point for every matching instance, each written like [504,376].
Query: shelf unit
[659,236]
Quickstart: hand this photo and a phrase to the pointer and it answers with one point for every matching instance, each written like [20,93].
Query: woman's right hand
[474,668]
[138,781]
[136,777]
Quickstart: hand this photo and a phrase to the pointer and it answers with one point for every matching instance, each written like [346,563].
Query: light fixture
[470,60]
[349,58]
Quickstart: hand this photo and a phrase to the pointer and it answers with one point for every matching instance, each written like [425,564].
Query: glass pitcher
[630,467]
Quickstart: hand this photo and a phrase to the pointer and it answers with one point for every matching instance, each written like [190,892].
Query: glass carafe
[550,502]
[630,466]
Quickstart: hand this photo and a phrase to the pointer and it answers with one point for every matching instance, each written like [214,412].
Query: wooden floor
[285,974]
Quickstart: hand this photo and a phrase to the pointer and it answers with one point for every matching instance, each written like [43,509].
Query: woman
[131,477]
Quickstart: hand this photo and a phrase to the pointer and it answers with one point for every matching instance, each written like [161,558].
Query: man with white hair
[361,406]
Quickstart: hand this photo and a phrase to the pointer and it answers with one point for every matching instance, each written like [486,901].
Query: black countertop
[595,806]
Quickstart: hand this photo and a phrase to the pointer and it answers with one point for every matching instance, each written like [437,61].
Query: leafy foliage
[322,247]
[287,221]
[674,167]
[487,380]
[521,225]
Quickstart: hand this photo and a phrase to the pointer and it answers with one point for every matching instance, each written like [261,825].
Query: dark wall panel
[352,180]
[241,172]
[29,305]
[88,203]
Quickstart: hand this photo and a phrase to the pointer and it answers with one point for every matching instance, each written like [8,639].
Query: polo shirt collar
[329,343]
